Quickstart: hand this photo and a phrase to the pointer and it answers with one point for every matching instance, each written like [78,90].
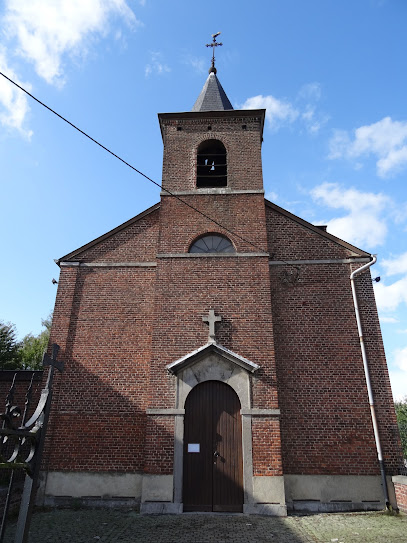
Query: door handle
[216,454]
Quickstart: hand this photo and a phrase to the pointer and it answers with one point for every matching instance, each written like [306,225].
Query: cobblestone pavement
[102,526]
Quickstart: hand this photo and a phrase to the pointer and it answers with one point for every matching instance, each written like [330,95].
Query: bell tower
[212,162]
[212,257]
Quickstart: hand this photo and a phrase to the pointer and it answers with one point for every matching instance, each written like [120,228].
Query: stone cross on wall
[211,319]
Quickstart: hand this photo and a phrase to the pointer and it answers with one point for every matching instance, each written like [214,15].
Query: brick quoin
[131,302]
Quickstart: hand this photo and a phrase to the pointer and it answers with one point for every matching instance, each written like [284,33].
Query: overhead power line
[132,167]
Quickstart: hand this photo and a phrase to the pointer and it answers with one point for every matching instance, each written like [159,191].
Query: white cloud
[198,64]
[386,140]
[156,66]
[310,91]
[283,112]
[395,266]
[272,196]
[13,102]
[307,98]
[398,379]
[389,297]
[45,31]
[364,223]
[390,320]
[278,112]
[400,358]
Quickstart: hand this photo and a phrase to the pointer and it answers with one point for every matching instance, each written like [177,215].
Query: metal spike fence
[21,447]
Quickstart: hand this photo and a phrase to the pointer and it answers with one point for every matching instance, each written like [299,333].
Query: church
[221,354]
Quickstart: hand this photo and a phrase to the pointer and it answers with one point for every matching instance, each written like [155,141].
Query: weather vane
[213,45]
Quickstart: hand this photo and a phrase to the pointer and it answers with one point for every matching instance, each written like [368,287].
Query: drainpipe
[367,376]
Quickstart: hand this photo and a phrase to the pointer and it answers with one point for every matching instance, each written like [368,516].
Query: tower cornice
[204,116]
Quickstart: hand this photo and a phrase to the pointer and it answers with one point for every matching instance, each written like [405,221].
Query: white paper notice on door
[194,447]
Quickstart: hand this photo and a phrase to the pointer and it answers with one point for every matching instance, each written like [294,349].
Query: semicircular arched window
[212,243]
[211,165]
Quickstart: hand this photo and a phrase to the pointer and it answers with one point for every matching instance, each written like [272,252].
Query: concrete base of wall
[157,488]
[108,489]
[334,493]
[161,508]
[304,506]
[269,496]
[269,509]
[92,502]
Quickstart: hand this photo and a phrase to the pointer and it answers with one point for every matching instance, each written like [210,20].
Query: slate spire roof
[212,97]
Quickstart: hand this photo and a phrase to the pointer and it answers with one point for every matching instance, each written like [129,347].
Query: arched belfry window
[212,243]
[212,169]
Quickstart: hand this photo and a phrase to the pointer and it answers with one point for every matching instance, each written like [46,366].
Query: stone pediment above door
[209,348]
[213,362]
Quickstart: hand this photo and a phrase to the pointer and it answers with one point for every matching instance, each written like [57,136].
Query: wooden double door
[213,464]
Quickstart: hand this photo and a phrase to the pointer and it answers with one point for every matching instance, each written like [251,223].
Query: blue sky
[331,74]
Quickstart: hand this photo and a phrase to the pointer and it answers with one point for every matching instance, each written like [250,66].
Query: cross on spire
[212,319]
[213,45]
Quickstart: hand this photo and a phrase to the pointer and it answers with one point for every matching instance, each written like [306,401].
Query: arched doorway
[213,465]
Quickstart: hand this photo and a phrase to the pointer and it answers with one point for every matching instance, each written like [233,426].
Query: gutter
[367,376]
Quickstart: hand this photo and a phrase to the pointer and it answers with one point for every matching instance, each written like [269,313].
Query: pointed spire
[212,96]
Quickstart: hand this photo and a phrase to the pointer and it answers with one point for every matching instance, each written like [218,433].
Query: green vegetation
[401,413]
[9,347]
[26,354]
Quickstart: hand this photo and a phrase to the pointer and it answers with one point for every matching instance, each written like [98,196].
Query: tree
[24,355]
[33,347]
[401,414]
[9,346]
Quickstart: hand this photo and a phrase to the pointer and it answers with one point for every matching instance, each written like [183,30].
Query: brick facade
[132,302]
[400,488]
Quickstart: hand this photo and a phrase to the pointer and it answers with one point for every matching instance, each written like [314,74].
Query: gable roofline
[316,229]
[101,238]
[198,354]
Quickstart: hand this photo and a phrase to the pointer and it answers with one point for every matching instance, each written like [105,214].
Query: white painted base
[91,485]
[270,495]
[331,493]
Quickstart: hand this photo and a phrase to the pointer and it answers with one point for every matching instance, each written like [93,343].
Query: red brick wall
[401,496]
[135,243]
[266,447]
[379,375]
[103,323]
[185,291]
[326,423]
[242,214]
[243,147]
[159,450]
